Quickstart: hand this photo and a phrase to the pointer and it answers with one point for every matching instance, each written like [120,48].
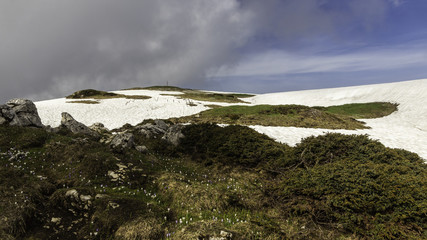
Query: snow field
[406,128]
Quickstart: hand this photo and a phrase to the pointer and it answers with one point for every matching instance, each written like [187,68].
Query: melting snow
[406,128]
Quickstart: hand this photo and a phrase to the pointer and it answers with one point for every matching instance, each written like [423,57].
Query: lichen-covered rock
[99,128]
[74,126]
[150,130]
[20,112]
[161,124]
[122,141]
[174,135]
[2,120]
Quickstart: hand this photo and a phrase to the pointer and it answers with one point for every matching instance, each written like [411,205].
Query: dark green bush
[358,184]
[233,145]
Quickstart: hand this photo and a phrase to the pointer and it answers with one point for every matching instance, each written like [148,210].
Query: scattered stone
[72,193]
[74,126]
[56,220]
[121,166]
[85,198]
[114,176]
[174,134]
[99,196]
[99,128]
[141,149]
[226,235]
[113,205]
[122,141]
[2,120]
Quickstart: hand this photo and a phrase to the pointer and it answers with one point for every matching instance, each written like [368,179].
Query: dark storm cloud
[50,48]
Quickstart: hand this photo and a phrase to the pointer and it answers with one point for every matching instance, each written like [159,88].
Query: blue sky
[51,48]
[385,42]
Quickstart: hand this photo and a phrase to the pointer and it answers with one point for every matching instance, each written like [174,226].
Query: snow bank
[406,128]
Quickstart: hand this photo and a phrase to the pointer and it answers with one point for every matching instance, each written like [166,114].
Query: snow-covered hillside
[406,128]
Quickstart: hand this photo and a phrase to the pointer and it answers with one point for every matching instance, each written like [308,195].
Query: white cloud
[280,62]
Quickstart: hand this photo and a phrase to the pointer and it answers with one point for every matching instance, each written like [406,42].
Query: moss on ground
[229,179]
[274,115]
[198,95]
[362,110]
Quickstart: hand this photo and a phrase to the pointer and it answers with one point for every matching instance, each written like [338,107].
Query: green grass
[96,94]
[84,102]
[160,88]
[214,97]
[363,110]
[271,115]
[198,94]
[219,179]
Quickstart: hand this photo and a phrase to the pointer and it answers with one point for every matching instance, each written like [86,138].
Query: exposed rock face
[122,141]
[20,112]
[152,130]
[174,134]
[74,126]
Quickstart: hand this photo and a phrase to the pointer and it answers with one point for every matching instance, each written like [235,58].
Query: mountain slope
[405,128]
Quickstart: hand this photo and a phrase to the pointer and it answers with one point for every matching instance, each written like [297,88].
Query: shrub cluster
[358,185]
[231,145]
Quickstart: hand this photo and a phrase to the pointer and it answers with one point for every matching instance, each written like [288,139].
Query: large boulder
[174,134]
[122,141]
[20,112]
[76,127]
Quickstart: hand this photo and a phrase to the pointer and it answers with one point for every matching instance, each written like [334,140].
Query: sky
[51,48]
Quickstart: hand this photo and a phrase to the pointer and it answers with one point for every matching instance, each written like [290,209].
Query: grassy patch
[96,94]
[85,102]
[199,95]
[362,110]
[271,115]
[214,97]
[160,88]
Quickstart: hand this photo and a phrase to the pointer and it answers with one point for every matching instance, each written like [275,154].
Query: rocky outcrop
[20,112]
[76,127]
[99,128]
[174,134]
[122,141]
[152,130]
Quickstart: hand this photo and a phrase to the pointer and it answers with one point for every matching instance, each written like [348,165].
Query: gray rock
[150,130]
[74,126]
[5,112]
[72,193]
[141,149]
[2,120]
[99,128]
[122,141]
[161,124]
[50,129]
[21,112]
[174,134]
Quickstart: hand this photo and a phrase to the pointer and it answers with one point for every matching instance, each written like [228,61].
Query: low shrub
[231,145]
[22,137]
[358,185]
